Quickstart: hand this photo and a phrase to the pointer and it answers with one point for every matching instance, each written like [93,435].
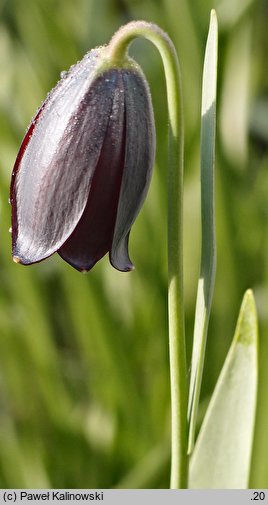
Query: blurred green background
[84,377]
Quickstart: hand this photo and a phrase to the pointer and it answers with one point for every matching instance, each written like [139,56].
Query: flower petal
[56,163]
[139,160]
[92,238]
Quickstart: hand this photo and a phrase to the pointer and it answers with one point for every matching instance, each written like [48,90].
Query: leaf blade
[222,455]
[208,251]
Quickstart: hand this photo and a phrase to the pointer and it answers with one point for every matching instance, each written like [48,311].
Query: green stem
[117,51]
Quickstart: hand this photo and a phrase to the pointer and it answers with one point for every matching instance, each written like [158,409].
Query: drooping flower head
[84,166]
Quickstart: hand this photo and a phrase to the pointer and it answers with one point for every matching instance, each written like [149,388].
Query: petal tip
[122,267]
[128,268]
[119,257]
[79,264]
[16,259]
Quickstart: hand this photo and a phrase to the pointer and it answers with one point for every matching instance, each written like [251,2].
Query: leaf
[208,252]
[222,455]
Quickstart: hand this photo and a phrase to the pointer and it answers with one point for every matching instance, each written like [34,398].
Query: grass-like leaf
[208,252]
[222,455]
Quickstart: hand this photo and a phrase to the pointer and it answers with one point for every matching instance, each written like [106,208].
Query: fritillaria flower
[84,166]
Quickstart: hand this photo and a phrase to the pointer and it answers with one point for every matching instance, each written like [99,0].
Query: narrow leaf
[208,252]
[222,455]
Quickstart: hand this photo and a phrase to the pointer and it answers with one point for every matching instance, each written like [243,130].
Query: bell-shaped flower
[84,166]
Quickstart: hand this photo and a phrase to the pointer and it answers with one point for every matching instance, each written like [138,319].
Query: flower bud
[84,166]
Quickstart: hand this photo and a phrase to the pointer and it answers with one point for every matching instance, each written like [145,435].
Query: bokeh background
[84,378]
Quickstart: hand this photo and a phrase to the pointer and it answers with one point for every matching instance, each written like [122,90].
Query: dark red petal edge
[16,167]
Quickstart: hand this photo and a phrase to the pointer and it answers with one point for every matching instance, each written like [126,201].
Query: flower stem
[117,51]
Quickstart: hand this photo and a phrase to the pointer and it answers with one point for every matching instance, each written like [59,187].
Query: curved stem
[117,51]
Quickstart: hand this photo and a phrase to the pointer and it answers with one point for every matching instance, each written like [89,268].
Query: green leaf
[222,455]
[208,252]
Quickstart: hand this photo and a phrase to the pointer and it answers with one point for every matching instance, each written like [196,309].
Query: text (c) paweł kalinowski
[62,495]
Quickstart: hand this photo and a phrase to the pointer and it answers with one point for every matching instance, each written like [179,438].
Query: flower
[84,166]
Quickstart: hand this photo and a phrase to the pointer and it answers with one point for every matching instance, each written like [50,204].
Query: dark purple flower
[84,167]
